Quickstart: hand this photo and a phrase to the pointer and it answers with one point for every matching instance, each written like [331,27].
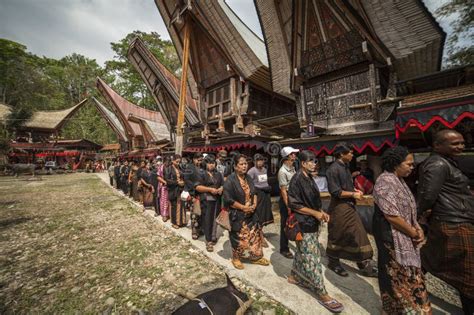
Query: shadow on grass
[4,224]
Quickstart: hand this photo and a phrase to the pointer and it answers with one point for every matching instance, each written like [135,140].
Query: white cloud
[56,28]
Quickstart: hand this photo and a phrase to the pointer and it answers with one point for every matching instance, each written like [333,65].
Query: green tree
[463,30]
[128,82]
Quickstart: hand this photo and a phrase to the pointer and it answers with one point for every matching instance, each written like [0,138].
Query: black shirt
[339,179]
[214,180]
[191,176]
[303,193]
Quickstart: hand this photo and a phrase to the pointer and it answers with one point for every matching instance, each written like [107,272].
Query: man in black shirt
[192,177]
[444,192]
[347,237]
[117,174]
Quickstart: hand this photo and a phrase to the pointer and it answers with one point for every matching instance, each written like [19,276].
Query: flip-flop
[262,261]
[292,280]
[288,255]
[340,271]
[237,264]
[332,306]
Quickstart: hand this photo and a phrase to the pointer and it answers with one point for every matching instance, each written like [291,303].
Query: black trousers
[156,202]
[111,181]
[467,305]
[283,215]
[208,218]
[125,185]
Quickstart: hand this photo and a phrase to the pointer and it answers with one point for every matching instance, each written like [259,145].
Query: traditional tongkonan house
[164,87]
[38,136]
[114,123]
[228,76]
[341,60]
[144,129]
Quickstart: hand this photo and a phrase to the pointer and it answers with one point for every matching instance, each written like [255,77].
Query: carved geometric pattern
[332,100]
[335,54]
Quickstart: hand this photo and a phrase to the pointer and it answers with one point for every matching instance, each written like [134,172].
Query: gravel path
[70,244]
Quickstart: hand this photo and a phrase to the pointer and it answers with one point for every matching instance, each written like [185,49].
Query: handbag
[196,206]
[292,228]
[223,219]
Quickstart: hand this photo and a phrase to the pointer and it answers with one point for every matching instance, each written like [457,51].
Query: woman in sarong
[175,183]
[398,235]
[240,198]
[164,202]
[147,186]
[210,190]
[133,179]
[258,174]
[304,200]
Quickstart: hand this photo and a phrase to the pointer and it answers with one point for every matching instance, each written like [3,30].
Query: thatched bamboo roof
[236,43]
[404,29]
[124,109]
[111,119]
[52,120]
[162,84]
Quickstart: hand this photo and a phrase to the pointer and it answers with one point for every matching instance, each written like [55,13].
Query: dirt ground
[68,244]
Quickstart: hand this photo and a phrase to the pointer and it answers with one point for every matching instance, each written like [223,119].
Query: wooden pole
[182,94]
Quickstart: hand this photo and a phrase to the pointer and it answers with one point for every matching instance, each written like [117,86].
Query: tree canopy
[459,54]
[29,82]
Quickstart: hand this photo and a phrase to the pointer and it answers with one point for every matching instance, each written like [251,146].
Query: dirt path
[70,244]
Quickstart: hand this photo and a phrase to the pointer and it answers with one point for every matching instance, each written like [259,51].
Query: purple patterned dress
[164,202]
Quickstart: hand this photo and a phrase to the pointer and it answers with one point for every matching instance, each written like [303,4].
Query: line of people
[207,185]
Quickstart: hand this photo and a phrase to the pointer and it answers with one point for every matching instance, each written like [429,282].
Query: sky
[56,28]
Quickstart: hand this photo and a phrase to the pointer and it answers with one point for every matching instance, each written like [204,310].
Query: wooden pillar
[182,94]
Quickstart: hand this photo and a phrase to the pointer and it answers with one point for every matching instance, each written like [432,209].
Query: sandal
[332,305]
[291,279]
[209,247]
[175,226]
[370,271]
[195,236]
[339,270]
[237,264]
[262,262]
[287,254]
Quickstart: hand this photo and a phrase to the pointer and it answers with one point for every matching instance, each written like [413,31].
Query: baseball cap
[287,151]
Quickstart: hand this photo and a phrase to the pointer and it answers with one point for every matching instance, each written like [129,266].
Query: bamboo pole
[182,93]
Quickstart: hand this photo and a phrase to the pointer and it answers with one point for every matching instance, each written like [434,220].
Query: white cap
[287,151]
[158,157]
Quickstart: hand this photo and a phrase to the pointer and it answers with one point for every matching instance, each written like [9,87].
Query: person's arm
[334,186]
[296,203]
[432,177]
[169,178]
[416,233]
[283,183]
[230,198]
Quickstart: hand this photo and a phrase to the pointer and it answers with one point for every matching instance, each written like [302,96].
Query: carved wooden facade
[229,72]
[344,59]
